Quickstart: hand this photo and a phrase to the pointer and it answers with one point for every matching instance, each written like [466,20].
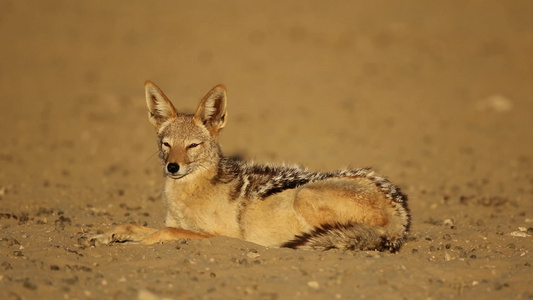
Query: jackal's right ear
[160,109]
[212,110]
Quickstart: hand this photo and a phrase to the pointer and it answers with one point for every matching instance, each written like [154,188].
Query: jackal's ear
[212,110]
[160,109]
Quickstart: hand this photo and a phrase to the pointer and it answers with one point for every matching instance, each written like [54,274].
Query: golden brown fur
[208,194]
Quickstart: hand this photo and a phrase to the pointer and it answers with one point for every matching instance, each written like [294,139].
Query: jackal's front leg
[123,233]
[144,235]
[171,234]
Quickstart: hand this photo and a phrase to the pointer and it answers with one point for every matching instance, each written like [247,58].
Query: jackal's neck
[227,169]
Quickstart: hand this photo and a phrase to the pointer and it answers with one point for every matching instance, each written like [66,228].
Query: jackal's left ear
[212,110]
[160,109]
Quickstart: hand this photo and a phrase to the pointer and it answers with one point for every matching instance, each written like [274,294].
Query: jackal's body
[208,194]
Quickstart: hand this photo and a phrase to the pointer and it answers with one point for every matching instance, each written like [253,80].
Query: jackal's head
[187,142]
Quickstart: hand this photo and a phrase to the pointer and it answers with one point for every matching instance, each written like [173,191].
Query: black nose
[173,168]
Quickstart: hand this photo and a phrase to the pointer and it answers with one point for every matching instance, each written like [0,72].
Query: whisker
[151,156]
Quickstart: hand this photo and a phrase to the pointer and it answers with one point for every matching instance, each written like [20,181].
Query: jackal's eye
[166,144]
[193,145]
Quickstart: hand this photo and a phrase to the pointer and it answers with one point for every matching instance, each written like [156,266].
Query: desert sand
[437,96]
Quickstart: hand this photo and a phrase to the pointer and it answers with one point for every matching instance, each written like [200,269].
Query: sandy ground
[435,95]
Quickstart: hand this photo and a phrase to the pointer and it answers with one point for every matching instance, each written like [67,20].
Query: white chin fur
[175,176]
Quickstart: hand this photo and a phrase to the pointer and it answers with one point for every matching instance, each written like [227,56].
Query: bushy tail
[351,236]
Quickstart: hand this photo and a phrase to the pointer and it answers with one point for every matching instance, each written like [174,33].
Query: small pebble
[447,256]
[519,234]
[497,103]
[29,285]
[313,284]
[449,222]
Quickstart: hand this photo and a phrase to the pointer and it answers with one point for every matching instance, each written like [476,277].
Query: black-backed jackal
[208,194]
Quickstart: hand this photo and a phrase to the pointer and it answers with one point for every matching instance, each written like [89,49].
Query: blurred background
[420,90]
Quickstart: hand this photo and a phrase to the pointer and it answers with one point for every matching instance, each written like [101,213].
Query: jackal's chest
[200,207]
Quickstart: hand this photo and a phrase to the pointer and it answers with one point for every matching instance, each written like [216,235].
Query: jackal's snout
[175,160]
[172,168]
[175,171]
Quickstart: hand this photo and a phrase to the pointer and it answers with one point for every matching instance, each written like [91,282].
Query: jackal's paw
[101,239]
[97,239]
[87,240]
[119,234]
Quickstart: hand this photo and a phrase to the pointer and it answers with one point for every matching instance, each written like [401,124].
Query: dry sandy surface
[437,96]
